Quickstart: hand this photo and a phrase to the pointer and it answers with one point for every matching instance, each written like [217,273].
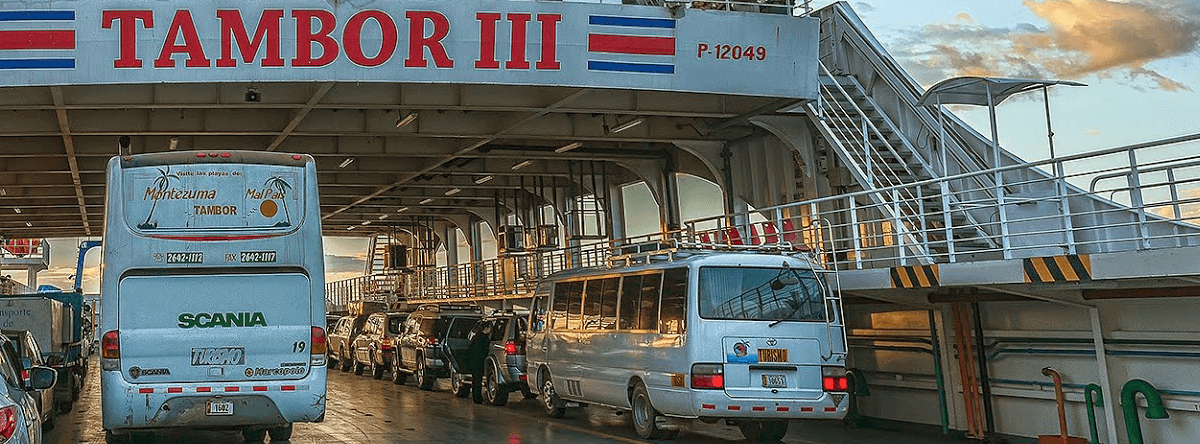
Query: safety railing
[1126,198]
[789,7]
[10,286]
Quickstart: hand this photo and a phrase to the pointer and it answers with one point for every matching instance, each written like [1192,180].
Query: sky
[1140,60]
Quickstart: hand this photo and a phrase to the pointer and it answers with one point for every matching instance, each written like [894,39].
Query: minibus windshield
[761,294]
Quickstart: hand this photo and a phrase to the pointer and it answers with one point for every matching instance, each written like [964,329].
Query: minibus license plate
[774,381]
[220,408]
[772,355]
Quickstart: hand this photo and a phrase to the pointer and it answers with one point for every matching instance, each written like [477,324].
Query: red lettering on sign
[127,22]
[233,30]
[352,38]
[517,59]
[549,58]
[182,27]
[305,37]
[417,42]
[487,40]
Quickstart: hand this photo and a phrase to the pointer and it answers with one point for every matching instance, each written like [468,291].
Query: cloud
[1081,37]
[864,7]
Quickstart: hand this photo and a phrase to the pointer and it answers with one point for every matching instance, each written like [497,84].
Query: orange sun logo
[268,208]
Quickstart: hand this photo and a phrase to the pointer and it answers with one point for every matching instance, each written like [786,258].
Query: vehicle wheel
[398,376]
[457,385]
[492,392]
[550,399]
[358,368]
[763,431]
[115,438]
[346,362]
[331,360]
[376,369]
[254,435]
[644,414]
[281,433]
[424,381]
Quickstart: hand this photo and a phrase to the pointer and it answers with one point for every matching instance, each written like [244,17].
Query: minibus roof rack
[653,251]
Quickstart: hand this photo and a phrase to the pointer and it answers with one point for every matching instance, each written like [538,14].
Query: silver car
[504,365]
[20,421]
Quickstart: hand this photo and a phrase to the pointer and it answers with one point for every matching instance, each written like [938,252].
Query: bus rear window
[213,196]
[765,294]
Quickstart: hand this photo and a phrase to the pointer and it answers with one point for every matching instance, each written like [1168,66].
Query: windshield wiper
[796,306]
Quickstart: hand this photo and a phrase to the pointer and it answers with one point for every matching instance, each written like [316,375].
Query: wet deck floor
[364,410]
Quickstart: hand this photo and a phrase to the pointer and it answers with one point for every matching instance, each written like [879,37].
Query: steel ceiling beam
[69,144]
[299,117]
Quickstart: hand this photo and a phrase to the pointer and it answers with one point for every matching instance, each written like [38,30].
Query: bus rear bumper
[254,403]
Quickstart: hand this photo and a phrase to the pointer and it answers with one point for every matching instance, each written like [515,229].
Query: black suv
[425,338]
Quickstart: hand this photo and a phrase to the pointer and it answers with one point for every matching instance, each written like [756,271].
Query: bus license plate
[774,381]
[772,355]
[220,408]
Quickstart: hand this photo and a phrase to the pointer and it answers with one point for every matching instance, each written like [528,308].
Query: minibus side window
[591,304]
[631,288]
[558,314]
[674,301]
[608,303]
[574,305]
[648,309]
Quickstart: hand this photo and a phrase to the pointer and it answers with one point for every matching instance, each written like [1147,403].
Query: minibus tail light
[833,379]
[386,344]
[510,348]
[708,376]
[110,345]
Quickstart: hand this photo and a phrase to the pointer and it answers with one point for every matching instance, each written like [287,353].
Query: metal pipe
[1154,407]
[984,385]
[1092,403]
[1059,400]
[937,374]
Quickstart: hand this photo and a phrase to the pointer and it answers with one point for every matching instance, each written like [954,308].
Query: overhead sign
[494,42]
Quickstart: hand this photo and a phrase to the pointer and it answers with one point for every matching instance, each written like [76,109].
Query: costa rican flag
[37,39]
[631,44]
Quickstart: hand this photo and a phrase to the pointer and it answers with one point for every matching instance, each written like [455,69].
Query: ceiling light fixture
[407,119]
[522,165]
[384,216]
[174,143]
[3,192]
[568,147]
[29,224]
[18,210]
[347,162]
[350,227]
[453,191]
[478,181]
[627,125]
[401,209]
[426,201]
[366,222]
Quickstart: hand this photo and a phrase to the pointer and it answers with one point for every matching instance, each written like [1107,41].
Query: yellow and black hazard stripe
[1067,268]
[915,276]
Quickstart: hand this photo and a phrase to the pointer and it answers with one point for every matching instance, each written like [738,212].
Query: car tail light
[110,345]
[386,344]
[510,348]
[431,342]
[833,379]
[708,376]
[8,421]
[318,341]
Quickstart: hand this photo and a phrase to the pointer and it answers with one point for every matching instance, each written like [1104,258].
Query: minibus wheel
[550,400]
[644,414]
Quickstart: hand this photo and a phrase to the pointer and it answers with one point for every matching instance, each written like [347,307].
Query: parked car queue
[476,352]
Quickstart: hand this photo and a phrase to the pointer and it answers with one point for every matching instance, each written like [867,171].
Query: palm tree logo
[161,183]
[281,187]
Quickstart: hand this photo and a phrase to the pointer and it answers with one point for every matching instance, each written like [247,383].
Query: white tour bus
[212,291]
[755,339]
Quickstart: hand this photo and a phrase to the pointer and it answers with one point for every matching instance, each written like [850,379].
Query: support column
[451,238]
[616,213]
[31,278]
[670,217]
[1111,404]
[475,238]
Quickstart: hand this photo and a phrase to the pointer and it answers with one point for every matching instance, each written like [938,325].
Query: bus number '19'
[731,52]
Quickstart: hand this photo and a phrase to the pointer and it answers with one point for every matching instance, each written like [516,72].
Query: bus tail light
[110,345]
[833,379]
[708,376]
[8,422]
[317,353]
[510,348]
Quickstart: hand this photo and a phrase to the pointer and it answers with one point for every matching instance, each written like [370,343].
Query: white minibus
[755,339]
[212,294]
